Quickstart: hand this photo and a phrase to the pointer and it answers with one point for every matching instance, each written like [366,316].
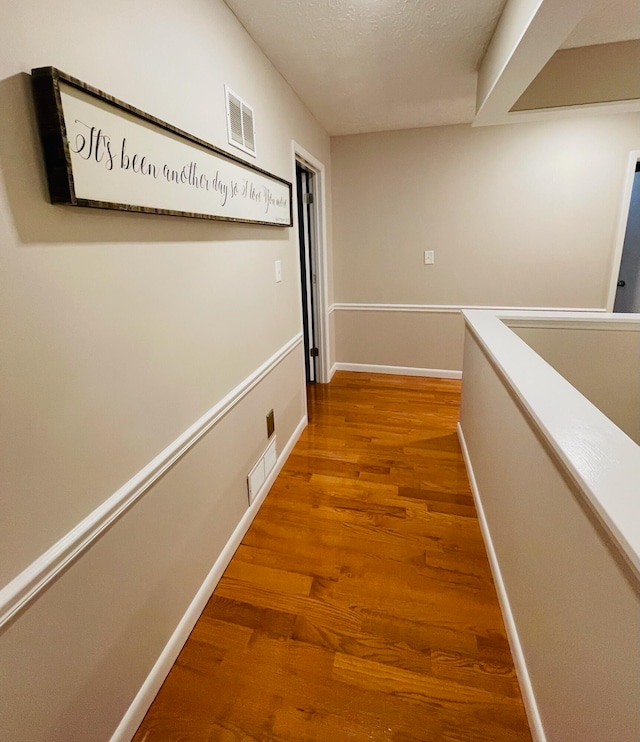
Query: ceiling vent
[240,128]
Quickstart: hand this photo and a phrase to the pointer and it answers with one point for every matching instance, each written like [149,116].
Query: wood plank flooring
[360,605]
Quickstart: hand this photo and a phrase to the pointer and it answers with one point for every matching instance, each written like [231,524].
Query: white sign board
[120,158]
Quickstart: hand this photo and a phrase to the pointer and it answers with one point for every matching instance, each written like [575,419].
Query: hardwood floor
[360,605]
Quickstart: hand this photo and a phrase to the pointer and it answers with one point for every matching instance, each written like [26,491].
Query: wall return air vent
[240,123]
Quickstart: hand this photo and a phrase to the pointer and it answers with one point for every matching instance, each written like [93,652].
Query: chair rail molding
[25,587]
[448,308]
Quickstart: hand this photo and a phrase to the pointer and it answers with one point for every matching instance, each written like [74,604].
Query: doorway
[624,287]
[307,199]
[628,286]
[311,229]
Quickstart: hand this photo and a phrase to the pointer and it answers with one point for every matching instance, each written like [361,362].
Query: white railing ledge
[602,461]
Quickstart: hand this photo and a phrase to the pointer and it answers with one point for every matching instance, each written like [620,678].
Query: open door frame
[634,158]
[320,249]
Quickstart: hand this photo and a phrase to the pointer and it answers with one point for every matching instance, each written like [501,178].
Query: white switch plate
[278,271]
[429,257]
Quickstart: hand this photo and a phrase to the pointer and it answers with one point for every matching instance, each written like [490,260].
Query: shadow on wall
[38,221]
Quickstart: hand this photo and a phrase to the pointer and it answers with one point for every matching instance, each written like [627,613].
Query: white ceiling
[372,65]
[375,65]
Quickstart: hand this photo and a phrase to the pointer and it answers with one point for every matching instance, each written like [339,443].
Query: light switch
[278,271]
[429,257]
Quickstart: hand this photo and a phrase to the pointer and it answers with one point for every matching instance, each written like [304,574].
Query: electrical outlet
[271,424]
[429,257]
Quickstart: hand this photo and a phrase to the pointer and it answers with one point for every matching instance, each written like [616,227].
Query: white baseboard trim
[145,696]
[433,373]
[19,593]
[448,308]
[334,368]
[528,697]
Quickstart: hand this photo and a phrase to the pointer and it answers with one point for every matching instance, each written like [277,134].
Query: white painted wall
[568,78]
[119,332]
[406,339]
[556,487]
[520,216]
[603,363]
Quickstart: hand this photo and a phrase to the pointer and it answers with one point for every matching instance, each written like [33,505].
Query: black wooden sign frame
[46,86]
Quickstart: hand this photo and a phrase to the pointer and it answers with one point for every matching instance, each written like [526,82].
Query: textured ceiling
[374,65]
[610,21]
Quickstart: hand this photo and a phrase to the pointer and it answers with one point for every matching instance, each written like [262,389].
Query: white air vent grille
[235,120]
[240,126]
[247,128]
[261,470]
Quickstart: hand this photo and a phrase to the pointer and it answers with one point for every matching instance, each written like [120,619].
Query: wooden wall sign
[103,153]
